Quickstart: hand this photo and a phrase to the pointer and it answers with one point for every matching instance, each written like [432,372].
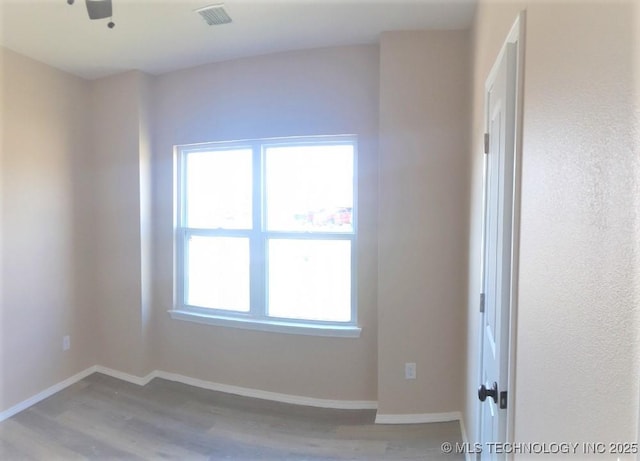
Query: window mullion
[258,302]
[181,274]
[182,266]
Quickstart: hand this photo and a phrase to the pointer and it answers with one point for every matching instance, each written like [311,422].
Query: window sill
[276,326]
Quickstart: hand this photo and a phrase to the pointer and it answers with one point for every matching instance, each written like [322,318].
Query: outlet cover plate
[410,370]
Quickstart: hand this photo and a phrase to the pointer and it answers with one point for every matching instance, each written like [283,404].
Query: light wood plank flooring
[108,419]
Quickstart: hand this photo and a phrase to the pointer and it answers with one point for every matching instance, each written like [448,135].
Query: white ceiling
[158,36]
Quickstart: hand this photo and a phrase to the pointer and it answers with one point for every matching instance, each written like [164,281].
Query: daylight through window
[266,232]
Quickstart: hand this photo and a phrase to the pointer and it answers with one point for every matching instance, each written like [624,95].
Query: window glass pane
[219,188]
[217,274]
[310,188]
[310,279]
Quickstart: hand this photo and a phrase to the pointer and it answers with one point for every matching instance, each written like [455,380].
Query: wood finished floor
[108,419]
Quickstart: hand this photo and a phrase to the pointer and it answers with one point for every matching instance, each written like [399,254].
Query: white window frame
[257,318]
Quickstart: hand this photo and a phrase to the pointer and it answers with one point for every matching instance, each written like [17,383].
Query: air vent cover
[99,9]
[215,15]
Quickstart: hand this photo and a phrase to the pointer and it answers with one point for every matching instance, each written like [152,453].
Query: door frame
[515,36]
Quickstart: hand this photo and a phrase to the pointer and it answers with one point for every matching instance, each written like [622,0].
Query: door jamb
[516,35]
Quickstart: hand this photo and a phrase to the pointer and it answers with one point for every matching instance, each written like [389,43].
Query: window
[266,234]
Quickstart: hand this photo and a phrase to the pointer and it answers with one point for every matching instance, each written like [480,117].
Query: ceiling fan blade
[99,9]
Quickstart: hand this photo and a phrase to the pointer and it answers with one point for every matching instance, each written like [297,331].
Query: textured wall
[578,319]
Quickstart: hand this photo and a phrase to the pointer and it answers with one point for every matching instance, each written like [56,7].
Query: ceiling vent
[215,15]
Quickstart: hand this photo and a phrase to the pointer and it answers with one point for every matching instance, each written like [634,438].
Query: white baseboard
[273,396]
[465,439]
[48,392]
[139,380]
[422,418]
[243,391]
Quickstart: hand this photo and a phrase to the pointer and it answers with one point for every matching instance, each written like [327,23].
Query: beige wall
[121,146]
[120,151]
[315,92]
[636,139]
[424,106]
[46,233]
[2,313]
[577,337]
[87,176]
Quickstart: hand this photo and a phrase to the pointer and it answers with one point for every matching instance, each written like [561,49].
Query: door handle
[483,393]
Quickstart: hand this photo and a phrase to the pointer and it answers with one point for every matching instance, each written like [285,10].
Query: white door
[497,249]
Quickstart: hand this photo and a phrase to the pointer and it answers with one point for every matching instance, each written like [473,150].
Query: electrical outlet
[409,371]
[66,343]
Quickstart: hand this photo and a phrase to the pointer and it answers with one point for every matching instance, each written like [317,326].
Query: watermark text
[541,448]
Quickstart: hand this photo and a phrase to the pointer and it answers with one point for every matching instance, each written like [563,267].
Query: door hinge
[503,400]
[486,143]
[481,303]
